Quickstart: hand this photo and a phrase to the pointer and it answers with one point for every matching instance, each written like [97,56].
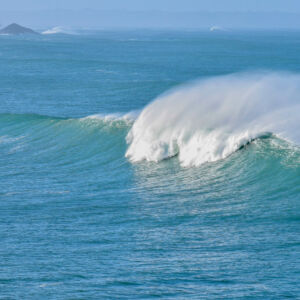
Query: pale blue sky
[166,5]
[124,14]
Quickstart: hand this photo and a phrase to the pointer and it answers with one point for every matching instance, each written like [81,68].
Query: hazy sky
[166,5]
[124,14]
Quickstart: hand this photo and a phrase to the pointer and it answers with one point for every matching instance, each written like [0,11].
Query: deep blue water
[79,220]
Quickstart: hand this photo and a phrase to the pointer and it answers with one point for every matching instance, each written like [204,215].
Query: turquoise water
[104,196]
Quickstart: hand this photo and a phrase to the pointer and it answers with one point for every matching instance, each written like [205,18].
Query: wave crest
[128,118]
[210,119]
[57,30]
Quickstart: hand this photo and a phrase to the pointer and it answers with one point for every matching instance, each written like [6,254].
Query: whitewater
[210,119]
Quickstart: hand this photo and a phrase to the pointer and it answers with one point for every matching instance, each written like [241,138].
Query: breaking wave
[128,117]
[210,119]
[57,30]
[204,121]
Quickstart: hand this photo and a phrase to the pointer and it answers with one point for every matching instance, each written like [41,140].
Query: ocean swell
[209,119]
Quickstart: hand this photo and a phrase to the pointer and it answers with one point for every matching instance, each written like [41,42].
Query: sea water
[150,164]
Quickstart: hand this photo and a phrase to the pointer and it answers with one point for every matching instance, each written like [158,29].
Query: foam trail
[210,119]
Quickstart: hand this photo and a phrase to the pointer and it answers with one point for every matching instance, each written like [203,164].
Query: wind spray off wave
[210,119]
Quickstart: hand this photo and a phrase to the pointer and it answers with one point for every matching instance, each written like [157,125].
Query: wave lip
[209,119]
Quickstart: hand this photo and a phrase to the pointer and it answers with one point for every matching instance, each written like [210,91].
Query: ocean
[147,164]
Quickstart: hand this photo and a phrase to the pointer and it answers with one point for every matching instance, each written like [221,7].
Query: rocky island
[15,29]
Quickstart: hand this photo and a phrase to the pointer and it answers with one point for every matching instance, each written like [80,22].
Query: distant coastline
[16,29]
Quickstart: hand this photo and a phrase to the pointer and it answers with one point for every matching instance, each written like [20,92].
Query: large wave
[210,119]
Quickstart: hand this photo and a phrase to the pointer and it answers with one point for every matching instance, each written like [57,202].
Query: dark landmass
[15,29]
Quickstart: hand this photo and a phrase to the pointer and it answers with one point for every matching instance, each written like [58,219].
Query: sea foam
[209,119]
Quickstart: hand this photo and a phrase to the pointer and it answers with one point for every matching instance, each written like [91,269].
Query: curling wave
[209,119]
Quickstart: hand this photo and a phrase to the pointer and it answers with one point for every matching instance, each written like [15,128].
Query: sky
[170,14]
[146,5]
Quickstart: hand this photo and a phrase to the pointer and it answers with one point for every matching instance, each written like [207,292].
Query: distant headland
[15,29]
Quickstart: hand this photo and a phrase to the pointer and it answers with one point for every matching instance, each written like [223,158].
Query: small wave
[208,120]
[216,28]
[57,30]
[128,117]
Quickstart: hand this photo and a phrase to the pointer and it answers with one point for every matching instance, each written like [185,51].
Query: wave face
[210,119]
[89,142]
